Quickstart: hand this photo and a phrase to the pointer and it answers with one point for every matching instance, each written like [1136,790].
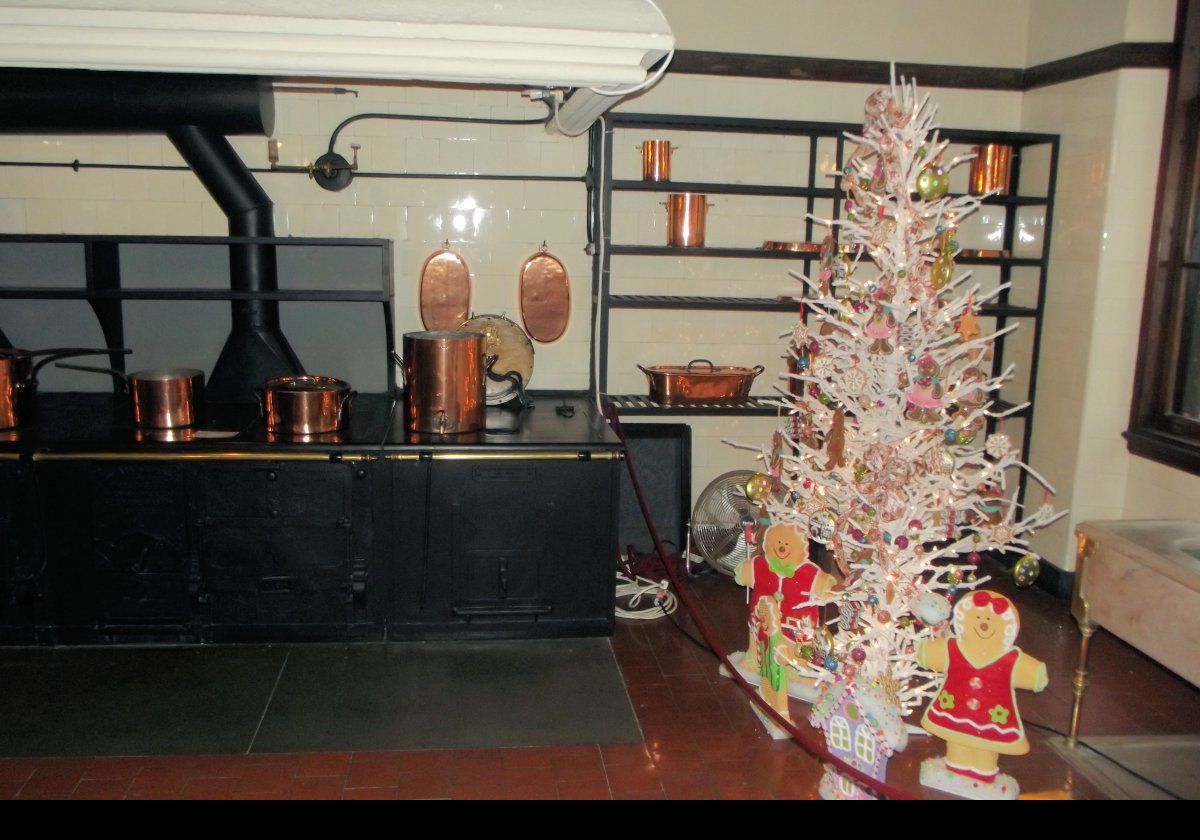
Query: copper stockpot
[18,377]
[991,169]
[656,160]
[700,382]
[445,381]
[298,406]
[686,214]
[170,398]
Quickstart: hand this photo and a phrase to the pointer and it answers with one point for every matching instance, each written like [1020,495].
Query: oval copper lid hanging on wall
[445,290]
[545,296]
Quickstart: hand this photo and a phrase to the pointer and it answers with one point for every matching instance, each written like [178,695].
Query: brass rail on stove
[505,456]
[329,458]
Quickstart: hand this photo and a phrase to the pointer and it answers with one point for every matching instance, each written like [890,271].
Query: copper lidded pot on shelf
[299,406]
[656,160]
[686,217]
[445,381]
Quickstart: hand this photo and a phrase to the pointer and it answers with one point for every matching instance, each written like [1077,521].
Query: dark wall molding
[1121,56]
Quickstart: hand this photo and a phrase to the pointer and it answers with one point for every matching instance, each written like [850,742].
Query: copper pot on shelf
[304,405]
[169,398]
[686,217]
[656,160]
[991,169]
[445,381]
[700,382]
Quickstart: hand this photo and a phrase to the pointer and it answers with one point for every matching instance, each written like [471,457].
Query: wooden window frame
[1155,430]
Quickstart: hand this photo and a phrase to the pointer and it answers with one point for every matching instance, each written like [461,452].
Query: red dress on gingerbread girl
[975,711]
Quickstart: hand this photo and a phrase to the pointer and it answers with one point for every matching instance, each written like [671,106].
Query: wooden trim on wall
[1121,56]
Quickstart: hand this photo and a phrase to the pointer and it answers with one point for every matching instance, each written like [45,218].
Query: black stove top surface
[100,422]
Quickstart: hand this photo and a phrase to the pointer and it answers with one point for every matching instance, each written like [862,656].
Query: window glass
[839,734]
[864,745]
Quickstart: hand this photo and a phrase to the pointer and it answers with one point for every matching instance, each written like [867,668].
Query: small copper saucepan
[656,159]
[299,406]
[170,398]
[18,377]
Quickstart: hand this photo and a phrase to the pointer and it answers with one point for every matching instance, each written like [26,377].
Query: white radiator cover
[539,43]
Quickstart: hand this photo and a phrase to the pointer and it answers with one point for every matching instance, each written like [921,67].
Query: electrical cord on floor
[634,589]
[1125,768]
[704,647]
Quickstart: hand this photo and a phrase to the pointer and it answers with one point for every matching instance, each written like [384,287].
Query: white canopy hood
[540,43]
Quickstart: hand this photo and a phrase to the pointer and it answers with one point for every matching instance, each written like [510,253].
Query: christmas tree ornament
[757,487]
[1026,570]
[975,708]
[933,183]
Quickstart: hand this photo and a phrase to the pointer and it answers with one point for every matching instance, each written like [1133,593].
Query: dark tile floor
[701,741]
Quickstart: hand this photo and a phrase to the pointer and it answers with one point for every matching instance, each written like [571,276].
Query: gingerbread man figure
[782,567]
[926,397]
[975,711]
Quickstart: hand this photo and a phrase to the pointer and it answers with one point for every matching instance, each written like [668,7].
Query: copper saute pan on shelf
[170,398]
[18,377]
[700,382]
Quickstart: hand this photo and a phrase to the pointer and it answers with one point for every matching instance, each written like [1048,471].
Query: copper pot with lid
[445,381]
[167,398]
[299,406]
[700,382]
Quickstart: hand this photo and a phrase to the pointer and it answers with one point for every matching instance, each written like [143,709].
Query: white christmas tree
[884,455]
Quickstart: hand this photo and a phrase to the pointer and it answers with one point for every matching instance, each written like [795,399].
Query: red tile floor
[701,741]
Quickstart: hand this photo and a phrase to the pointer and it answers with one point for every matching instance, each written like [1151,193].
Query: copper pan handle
[758,369]
[346,406]
[399,360]
[116,374]
[711,366]
[643,370]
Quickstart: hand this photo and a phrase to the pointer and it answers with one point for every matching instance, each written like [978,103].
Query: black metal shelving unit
[602,186]
[104,290]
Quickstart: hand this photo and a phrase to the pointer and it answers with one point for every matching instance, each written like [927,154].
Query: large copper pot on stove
[445,381]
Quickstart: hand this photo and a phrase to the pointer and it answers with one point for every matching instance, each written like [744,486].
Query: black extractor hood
[196,112]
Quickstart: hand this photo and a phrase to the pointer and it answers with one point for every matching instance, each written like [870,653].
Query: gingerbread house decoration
[862,729]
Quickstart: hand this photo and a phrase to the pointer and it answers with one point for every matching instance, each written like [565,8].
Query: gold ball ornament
[941,272]
[933,183]
[1025,571]
[758,487]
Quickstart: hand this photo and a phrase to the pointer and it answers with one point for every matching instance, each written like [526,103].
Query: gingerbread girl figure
[782,572]
[975,711]
[926,398]
[881,329]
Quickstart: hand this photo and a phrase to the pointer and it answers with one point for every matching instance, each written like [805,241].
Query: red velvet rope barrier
[809,741]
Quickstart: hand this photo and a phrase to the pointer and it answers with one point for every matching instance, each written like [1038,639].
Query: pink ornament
[901,543]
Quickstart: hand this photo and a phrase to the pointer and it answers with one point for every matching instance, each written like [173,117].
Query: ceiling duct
[195,112]
[584,44]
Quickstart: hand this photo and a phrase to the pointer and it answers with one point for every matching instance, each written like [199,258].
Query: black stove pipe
[256,349]
[196,112]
